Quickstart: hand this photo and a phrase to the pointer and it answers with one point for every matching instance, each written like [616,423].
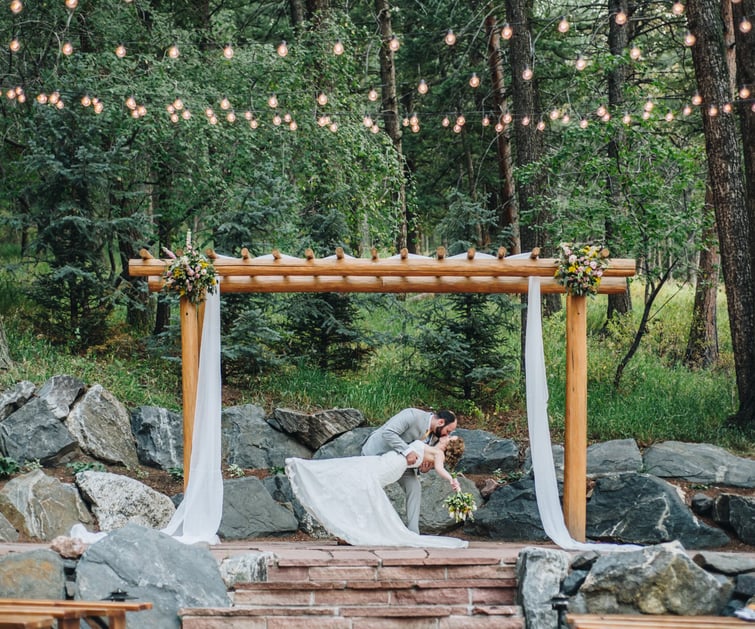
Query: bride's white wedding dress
[346,496]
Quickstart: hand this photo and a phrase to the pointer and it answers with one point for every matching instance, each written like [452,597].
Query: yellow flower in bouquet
[461,506]
[580,268]
[190,274]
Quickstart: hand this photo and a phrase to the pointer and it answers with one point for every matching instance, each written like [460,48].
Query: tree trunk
[618,39]
[725,171]
[702,343]
[390,108]
[508,209]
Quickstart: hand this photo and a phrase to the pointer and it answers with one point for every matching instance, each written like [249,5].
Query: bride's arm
[439,458]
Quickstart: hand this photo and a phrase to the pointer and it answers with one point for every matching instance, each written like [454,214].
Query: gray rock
[117,500]
[510,514]
[42,507]
[484,452]
[249,511]
[151,566]
[557,451]
[540,572]
[609,457]
[745,585]
[14,398]
[724,563]
[60,392]
[159,437]
[702,504]
[33,432]
[250,442]
[699,463]
[348,444]
[279,487]
[247,568]
[433,516]
[742,517]
[319,428]
[658,579]
[642,509]
[102,426]
[35,574]
[8,532]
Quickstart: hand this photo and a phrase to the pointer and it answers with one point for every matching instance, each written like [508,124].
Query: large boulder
[347,444]
[485,453]
[35,433]
[117,500]
[737,513]
[151,566]
[249,511]
[102,426]
[42,507]
[60,392]
[316,429]
[159,437]
[34,574]
[539,572]
[14,398]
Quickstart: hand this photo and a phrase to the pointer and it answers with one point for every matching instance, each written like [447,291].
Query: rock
[68,547]
[433,516]
[34,574]
[279,487]
[14,398]
[316,429]
[557,451]
[102,426]
[540,572]
[250,442]
[745,585]
[246,568]
[34,433]
[151,566]
[699,463]
[725,563]
[642,509]
[609,457]
[701,504]
[249,511]
[8,532]
[42,507]
[117,500]
[347,444]
[737,513]
[658,579]
[60,392]
[485,453]
[159,437]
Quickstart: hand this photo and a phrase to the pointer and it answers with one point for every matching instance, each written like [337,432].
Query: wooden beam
[190,376]
[575,438]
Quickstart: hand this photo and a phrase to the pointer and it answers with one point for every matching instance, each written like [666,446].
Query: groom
[396,434]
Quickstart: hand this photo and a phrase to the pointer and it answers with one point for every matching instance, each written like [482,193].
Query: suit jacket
[398,432]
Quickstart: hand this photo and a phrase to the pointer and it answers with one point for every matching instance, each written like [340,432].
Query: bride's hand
[455,485]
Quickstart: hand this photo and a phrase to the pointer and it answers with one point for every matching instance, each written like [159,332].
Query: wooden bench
[68,614]
[20,621]
[648,621]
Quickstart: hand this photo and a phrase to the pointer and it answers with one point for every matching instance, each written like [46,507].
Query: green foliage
[8,466]
[86,466]
[236,471]
[176,473]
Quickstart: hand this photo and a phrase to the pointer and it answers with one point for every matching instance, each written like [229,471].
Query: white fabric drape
[197,518]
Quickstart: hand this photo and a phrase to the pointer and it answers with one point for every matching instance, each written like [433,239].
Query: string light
[374,129]
[499,127]
[583,123]
[744,92]
[131,103]
[228,52]
[393,43]
[72,4]
[646,115]
[338,48]
[649,105]
[507,118]
[554,113]
[333,127]
[626,119]
[689,39]
[669,116]
[372,95]
[457,128]
[16,6]
[605,117]
[727,108]
[322,99]
[525,121]
[745,26]
[85,101]
[506,31]
[225,104]
[712,111]
[287,117]
[635,53]
[272,102]
[120,51]
[253,123]
[566,119]
[422,88]
[686,110]
[527,74]
[42,98]
[282,49]
[474,80]
[541,125]
[277,120]
[563,25]
[601,111]
[230,117]
[174,118]
[677,8]
[173,52]
[461,120]
[293,126]
[178,104]
[14,45]
[580,64]
[697,99]
[367,121]
[450,38]
[413,120]
[445,122]
[485,121]
[67,49]
[620,18]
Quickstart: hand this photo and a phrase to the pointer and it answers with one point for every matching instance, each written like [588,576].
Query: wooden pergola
[407,273]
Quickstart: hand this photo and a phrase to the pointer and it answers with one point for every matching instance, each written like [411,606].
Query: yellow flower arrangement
[461,506]
[190,273]
[580,268]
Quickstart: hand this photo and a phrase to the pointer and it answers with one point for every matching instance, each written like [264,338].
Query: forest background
[291,125]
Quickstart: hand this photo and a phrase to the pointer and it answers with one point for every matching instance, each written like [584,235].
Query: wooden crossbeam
[650,621]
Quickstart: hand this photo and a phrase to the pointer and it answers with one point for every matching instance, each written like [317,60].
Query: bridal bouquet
[580,268]
[461,506]
[190,273]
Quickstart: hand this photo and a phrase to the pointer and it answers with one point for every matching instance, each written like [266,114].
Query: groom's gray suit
[396,434]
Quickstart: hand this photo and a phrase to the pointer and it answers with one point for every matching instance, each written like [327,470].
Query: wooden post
[190,374]
[575,441]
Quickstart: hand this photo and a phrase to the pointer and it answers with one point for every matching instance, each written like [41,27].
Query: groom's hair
[447,416]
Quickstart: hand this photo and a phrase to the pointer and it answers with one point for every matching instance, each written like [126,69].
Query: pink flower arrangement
[190,273]
[580,268]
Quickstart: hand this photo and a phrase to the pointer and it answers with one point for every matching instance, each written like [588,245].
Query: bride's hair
[454,450]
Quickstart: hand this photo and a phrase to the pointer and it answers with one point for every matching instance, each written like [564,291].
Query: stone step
[354,617]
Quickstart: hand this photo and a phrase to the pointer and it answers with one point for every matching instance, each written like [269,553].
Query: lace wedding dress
[346,496]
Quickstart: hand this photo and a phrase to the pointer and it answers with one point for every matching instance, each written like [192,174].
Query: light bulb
[635,53]
[41,98]
[228,52]
[744,92]
[474,80]
[393,43]
[712,111]
[499,127]
[142,110]
[185,114]
[134,114]
[14,45]
[225,104]
[230,117]
[253,123]
[566,119]
[178,104]
[208,112]
[580,64]
[646,115]
[745,26]
[170,109]
[601,111]
[461,120]
[120,51]
[367,121]
[677,8]
[563,25]
[697,99]
[322,99]
[277,120]
[338,48]
[554,114]
[525,121]
[131,102]
[98,107]
[422,88]
[374,129]
[333,127]
[457,128]
[687,110]
[506,31]
[248,115]
[282,49]
[272,101]
[669,116]
[67,49]
[86,101]
[620,18]
[16,6]
[445,122]
[689,39]
[11,94]
[450,38]
[485,121]
[213,120]
[507,118]
[173,52]
[527,74]
[413,120]
[372,94]
[648,105]
[174,118]
[60,104]
[415,128]
[322,121]
[287,117]
[405,122]
[72,4]
[605,117]
[541,125]
[293,126]
[583,123]
[727,108]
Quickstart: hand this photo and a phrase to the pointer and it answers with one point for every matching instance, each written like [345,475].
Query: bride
[346,494]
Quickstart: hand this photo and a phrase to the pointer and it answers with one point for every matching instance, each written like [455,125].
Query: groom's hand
[426,466]
[411,458]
